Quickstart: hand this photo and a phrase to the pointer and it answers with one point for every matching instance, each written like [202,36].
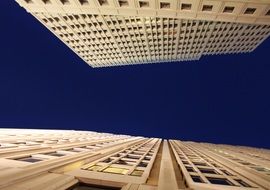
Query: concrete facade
[85,160]
[124,32]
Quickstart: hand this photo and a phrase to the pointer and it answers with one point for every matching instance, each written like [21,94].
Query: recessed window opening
[123,3]
[197,179]
[84,2]
[185,6]
[64,2]
[250,11]
[103,2]
[228,9]
[29,159]
[143,4]
[219,181]
[267,14]
[207,8]
[46,1]
[164,5]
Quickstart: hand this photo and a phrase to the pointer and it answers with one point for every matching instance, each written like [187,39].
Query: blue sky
[43,84]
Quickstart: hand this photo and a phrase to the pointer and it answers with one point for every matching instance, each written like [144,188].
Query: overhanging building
[81,160]
[123,32]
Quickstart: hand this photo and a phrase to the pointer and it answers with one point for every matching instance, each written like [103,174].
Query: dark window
[207,8]
[55,154]
[190,169]
[103,2]
[84,2]
[268,13]
[241,182]
[29,159]
[228,9]
[143,4]
[200,164]
[82,186]
[64,2]
[219,181]
[28,1]
[46,1]
[208,171]
[123,3]
[164,5]
[142,164]
[185,6]
[197,179]
[250,11]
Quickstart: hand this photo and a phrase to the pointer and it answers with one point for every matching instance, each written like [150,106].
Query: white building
[85,160]
[123,32]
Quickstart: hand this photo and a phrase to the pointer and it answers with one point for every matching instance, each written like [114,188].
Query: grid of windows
[132,161]
[107,40]
[205,170]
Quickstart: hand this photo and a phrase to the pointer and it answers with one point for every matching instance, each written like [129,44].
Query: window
[103,2]
[185,6]
[84,2]
[197,179]
[207,7]
[268,13]
[137,173]
[64,2]
[28,1]
[142,164]
[123,3]
[208,171]
[228,9]
[29,159]
[144,4]
[55,154]
[82,186]
[164,5]
[250,11]
[219,181]
[241,182]
[190,169]
[46,1]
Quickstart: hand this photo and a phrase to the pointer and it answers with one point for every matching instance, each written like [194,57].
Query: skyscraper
[123,32]
[81,160]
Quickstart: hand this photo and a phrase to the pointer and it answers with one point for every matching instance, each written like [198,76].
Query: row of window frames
[55,154]
[219,181]
[163,5]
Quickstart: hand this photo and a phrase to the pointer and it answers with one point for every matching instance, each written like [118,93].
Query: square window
[84,2]
[55,154]
[185,6]
[46,1]
[29,159]
[164,5]
[228,9]
[250,11]
[123,3]
[207,7]
[219,181]
[197,179]
[144,4]
[208,171]
[103,2]
[64,2]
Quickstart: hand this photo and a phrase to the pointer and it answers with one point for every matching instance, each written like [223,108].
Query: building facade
[124,32]
[81,160]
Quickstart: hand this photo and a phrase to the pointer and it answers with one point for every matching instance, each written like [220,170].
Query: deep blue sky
[43,84]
